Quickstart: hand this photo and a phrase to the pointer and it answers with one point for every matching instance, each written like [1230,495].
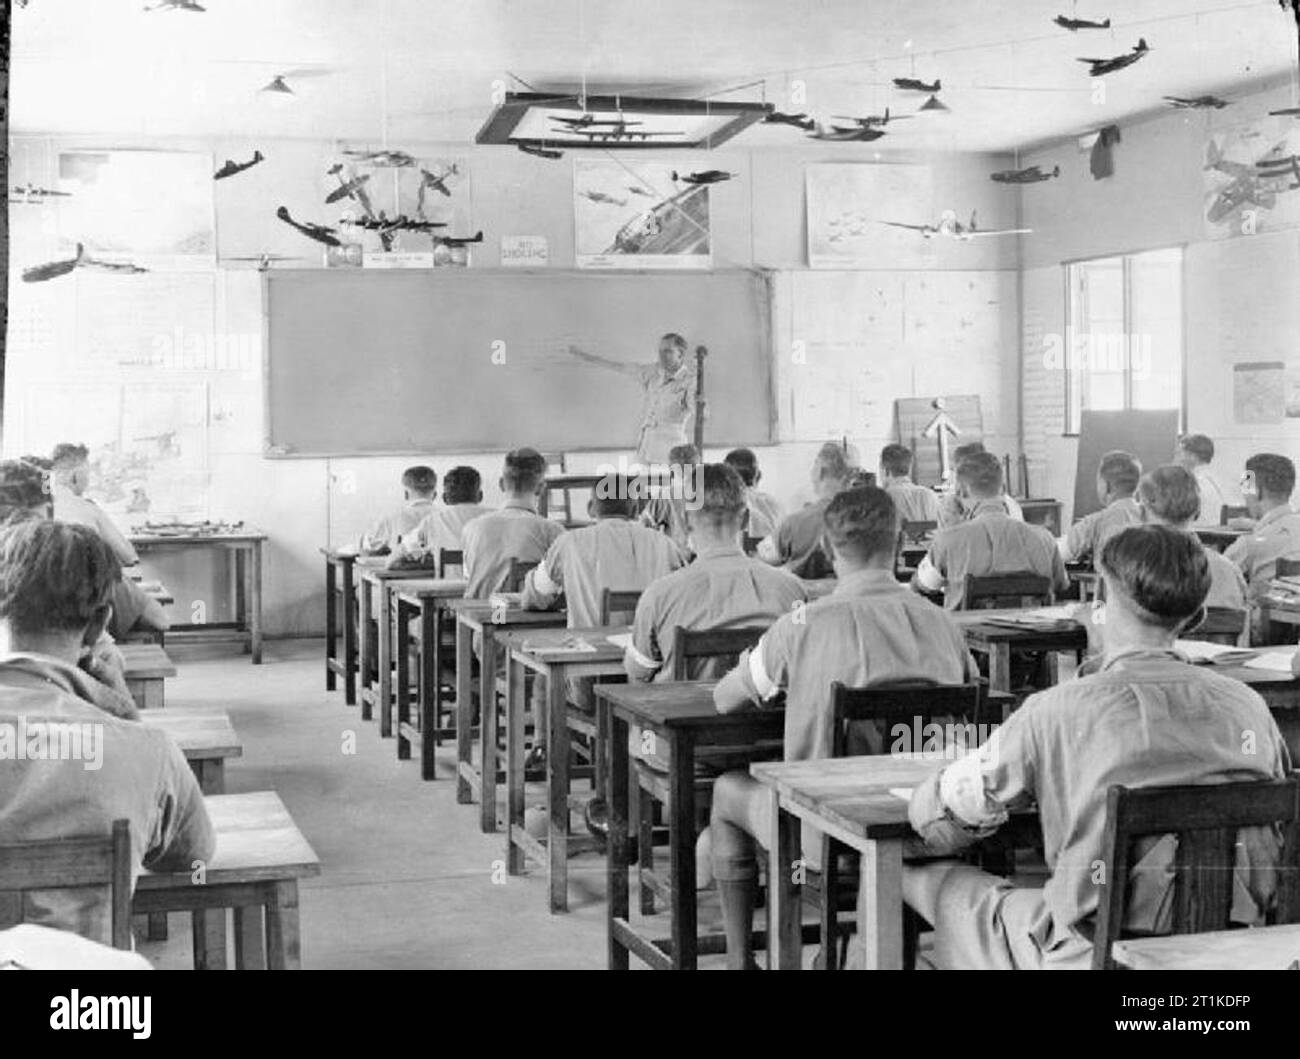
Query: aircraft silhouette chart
[232,167]
[1030,175]
[1118,62]
[1076,24]
[1197,102]
[950,227]
[1248,185]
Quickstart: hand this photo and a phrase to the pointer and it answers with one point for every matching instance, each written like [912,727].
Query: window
[1124,334]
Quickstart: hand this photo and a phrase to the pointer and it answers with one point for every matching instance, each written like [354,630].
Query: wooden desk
[683,715]
[206,738]
[1087,578]
[245,549]
[479,616]
[1258,949]
[1278,609]
[147,666]
[372,577]
[339,587]
[849,799]
[998,641]
[260,857]
[564,483]
[425,598]
[540,650]
[1218,537]
[1044,512]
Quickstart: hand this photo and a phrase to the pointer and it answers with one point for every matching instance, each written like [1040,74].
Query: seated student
[1146,718]
[419,486]
[870,630]
[1168,496]
[989,541]
[55,584]
[515,532]
[764,512]
[443,524]
[1267,488]
[797,542]
[70,465]
[667,511]
[1117,479]
[1196,453]
[722,588]
[915,503]
[951,511]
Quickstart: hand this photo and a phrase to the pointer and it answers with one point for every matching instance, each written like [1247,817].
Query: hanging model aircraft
[54,269]
[451,240]
[706,176]
[949,226]
[538,151]
[1247,185]
[600,196]
[799,121]
[232,167]
[318,232]
[1118,62]
[31,195]
[846,134]
[1286,112]
[911,84]
[1031,175]
[384,159]
[264,261]
[1076,24]
[1197,102]
[1281,167]
[349,188]
[433,182]
[872,121]
[175,5]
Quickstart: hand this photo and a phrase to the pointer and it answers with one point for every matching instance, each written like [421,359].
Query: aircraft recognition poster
[847,203]
[639,215]
[1252,178]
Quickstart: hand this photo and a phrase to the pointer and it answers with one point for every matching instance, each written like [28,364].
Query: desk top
[547,644]
[1259,949]
[371,568]
[573,480]
[201,734]
[145,661]
[257,841]
[683,704]
[431,588]
[978,627]
[851,792]
[479,612]
[148,540]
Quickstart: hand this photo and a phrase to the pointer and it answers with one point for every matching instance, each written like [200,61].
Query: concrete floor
[407,879]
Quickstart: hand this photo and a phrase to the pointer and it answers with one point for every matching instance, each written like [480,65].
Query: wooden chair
[1225,625]
[518,572]
[1287,568]
[1205,818]
[74,863]
[722,645]
[1020,589]
[916,532]
[556,463]
[450,557]
[1231,511]
[616,603]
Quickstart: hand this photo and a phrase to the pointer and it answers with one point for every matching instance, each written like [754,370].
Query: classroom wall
[757,221]
[1240,292]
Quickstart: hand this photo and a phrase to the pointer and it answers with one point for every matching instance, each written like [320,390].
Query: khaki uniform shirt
[492,541]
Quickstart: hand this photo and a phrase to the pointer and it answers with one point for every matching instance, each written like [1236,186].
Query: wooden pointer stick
[700,353]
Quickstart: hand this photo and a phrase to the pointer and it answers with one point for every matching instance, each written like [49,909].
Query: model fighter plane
[799,121]
[600,196]
[872,121]
[846,134]
[1031,175]
[1076,24]
[538,151]
[706,176]
[232,167]
[1206,102]
[1101,67]
[911,84]
[318,232]
[433,182]
[949,226]
[452,240]
[55,269]
[384,159]
[349,188]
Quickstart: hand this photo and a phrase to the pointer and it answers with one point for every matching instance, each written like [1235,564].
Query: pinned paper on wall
[1258,391]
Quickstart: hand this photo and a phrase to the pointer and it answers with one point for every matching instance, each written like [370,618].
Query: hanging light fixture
[934,104]
[278,85]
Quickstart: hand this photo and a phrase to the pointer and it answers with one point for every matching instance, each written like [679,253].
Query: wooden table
[245,548]
[147,666]
[998,641]
[260,857]
[849,799]
[425,598]
[1218,537]
[206,738]
[683,716]
[372,579]
[541,651]
[339,587]
[1257,949]
[479,616]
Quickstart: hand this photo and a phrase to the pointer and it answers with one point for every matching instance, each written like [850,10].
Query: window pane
[1156,305]
[1097,324]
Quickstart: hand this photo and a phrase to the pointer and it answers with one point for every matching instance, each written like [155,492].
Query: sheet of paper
[902,792]
[621,639]
[1199,651]
[1273,661]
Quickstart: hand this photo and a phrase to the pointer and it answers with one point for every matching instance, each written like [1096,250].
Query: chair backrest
[1287,568]
[750,544]
[907,704]
[722,645]
[1221,625]
[1229,511]
[1021,589]
[618,606]
[449,557]
[914,532]
[518,571]
[1205,818]
[75,863]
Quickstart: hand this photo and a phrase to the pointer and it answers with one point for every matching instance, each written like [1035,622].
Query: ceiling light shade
[934,104]
[277,84]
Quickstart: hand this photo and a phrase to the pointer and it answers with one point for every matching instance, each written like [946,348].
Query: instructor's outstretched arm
[605,362]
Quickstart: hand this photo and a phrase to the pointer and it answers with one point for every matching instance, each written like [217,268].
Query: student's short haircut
[614,494]
[722,496]
[896,459]
[67,455]
[1170,493]
[858,478]
[675,339]
[744,463]
[420,479]
[1163,570]
[1120,471]
[54,576]
[1274,474]
[969,449]
[1198,445]
[462,485]
[23,487]
[981,473]
[862,523]
[832,462]
[524,469]
[684,455]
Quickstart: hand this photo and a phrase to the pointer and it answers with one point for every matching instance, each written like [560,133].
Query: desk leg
[681,849]
[784,844]
[364,661]
[283,945]
[331,623]
[1000,667]
[349,636]
[157,926]
[514,763]
[384,680]
[464,709]
[880,905]
[616,867]
[431,680]
[402,691]
[209,927]
[428,688]
[487,731]
[557,773]
[255,602]
[239,587]
[250,952]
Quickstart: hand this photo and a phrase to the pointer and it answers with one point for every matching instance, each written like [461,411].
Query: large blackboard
[430,361]
[1148,435]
